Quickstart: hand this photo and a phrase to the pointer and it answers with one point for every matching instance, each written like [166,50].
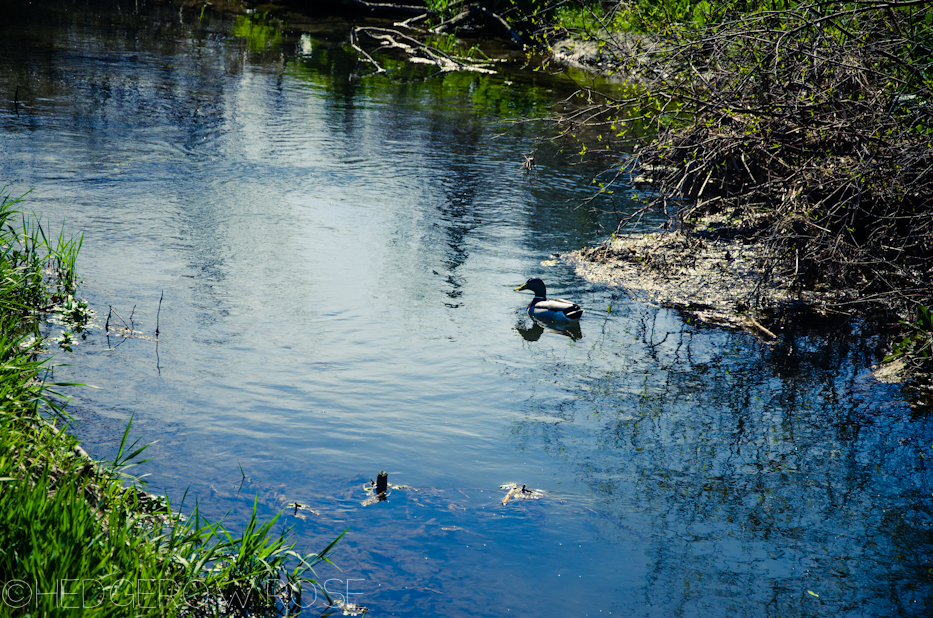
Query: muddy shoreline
[714,277]
[716,280]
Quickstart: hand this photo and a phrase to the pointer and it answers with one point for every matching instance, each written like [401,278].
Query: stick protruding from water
[382,484]
[158,313]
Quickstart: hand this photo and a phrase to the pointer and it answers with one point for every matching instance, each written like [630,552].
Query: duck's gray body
[550,309]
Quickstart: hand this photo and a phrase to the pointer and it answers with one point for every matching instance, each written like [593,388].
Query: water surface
[337,254]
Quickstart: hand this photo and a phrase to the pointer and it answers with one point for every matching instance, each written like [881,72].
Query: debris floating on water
[520,493]
[350,609]
[301,510]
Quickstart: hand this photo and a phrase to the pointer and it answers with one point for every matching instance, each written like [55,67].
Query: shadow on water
[766,473]
[339,253]
[534,331]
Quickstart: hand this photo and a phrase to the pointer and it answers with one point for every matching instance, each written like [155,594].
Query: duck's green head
[536,286]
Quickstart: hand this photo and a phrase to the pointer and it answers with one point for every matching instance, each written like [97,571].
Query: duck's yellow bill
[520,288]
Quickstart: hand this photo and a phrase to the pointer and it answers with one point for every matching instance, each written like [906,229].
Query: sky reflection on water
[338,257]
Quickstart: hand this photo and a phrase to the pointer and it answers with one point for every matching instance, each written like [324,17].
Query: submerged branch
[416,51]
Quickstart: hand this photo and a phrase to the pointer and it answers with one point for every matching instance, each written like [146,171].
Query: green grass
[443,9]
[917,345]
[75,538]
[643,16]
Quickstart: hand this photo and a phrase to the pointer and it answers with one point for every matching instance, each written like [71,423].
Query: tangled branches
[811,130]
[419,52]
[437,45]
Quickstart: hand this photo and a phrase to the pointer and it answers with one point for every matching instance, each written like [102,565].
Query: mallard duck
[549,310]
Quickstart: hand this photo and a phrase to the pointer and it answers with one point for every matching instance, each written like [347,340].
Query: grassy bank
[76,538]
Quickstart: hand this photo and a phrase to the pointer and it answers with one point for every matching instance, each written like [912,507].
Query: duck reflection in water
[538,327]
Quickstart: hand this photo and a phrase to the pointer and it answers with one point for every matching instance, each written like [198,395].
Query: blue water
[336,256]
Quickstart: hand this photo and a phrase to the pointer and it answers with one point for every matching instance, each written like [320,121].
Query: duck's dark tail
[574,313]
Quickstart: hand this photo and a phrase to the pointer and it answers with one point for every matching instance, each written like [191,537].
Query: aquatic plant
[39,271]
[917,346]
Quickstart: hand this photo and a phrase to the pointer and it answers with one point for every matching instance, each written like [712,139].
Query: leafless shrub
[811,128]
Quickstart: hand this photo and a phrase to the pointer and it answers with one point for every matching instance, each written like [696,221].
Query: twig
[112,310]
[158,312]
[369,58]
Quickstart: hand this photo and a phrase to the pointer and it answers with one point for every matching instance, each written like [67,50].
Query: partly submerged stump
[378,490]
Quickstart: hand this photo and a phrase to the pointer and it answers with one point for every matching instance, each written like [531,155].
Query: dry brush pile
[811,130]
